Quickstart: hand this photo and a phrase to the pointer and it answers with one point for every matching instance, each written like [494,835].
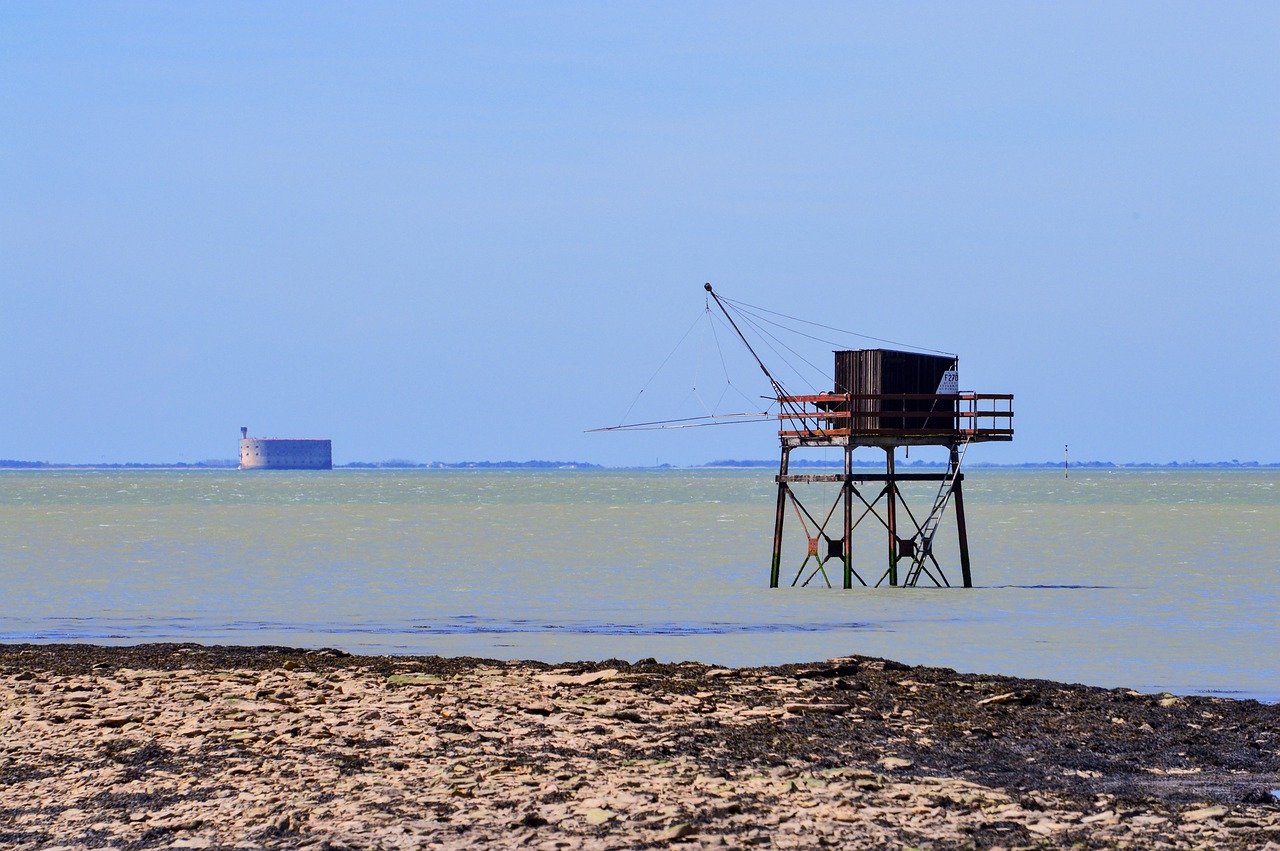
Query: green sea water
[1152,579]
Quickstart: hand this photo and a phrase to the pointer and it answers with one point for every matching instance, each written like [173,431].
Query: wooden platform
[895,419]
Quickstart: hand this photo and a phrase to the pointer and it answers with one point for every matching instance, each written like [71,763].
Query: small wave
[475,626]
[1058,587]
[186,629]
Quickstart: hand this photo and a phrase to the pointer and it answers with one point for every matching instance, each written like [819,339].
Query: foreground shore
[208,747]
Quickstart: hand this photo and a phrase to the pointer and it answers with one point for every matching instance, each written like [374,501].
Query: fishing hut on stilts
[885,399]
[882,399]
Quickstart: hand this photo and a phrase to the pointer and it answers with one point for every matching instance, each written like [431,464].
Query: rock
[176,823]
[430,683]
[761,712]
[893,763]
[1169,701]
[1205,813]
[597,815]
[117,721]
[839,667]
[1147,820]
[1008,697]
[817,708]
[676,831]
[1048,827]
[1106,818]
[290,822]
[627,715]
[580,679]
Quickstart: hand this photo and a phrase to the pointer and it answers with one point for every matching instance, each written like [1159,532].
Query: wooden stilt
[891,514]
[779,518]
[961,532]
[848,516]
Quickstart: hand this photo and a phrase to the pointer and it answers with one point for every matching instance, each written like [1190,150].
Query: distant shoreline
[220,465]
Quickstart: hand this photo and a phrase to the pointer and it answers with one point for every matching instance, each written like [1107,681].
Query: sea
[1151,579]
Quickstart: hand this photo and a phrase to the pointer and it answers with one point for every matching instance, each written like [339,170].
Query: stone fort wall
[262,453]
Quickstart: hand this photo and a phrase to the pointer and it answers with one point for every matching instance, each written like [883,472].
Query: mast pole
[779,391]
[777,388]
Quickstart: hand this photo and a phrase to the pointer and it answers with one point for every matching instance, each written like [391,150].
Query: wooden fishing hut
[885,399]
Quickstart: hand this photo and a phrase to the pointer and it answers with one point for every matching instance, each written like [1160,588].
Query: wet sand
[235,747]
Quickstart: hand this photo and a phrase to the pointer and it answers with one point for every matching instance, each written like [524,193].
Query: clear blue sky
[466,231]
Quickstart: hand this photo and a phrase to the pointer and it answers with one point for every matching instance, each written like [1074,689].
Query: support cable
[778,389]
[767,342]
[767,334]
[789,329]
[691,422]
[670,354]
[711,321]
[773,382]
[741,304]
[837,343]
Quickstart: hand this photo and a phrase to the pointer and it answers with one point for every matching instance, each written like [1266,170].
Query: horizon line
[404,464]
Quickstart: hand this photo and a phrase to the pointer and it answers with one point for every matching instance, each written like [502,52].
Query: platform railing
[959,416]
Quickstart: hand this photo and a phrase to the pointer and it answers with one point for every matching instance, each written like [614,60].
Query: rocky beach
[186,746]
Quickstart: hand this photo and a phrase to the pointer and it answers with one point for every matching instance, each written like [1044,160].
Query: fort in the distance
[270,453]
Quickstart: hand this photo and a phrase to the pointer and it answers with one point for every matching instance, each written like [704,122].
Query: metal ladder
[924,537]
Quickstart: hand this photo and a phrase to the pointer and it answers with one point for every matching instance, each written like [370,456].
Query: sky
[460,231]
